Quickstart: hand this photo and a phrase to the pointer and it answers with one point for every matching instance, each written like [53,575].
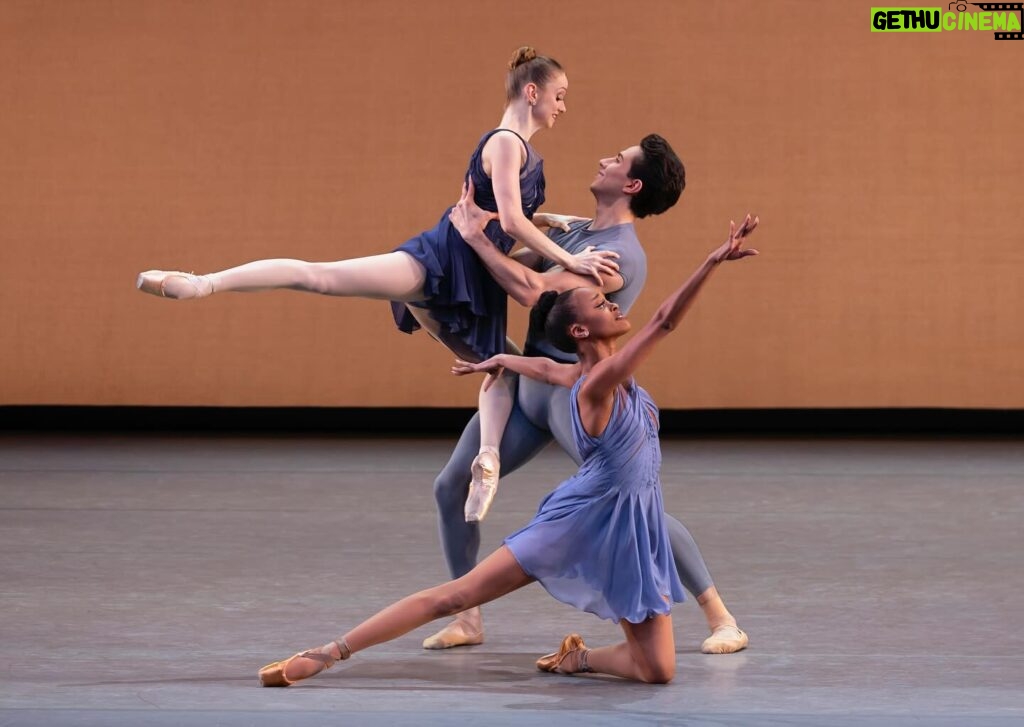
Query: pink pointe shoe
[173,284]
[571,657]
[274,674]
[484,486]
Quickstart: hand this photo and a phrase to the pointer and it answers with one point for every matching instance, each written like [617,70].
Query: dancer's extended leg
[496,576]
[392,276]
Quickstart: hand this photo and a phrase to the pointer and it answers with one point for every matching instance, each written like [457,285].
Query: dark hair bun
[521,56]
[540,311]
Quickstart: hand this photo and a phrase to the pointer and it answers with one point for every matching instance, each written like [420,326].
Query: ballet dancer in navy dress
[435,280]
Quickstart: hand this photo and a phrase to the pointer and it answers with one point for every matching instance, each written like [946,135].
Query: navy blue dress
[599,541]
[460,294]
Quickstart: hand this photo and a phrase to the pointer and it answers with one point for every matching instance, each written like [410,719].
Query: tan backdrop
[887,170]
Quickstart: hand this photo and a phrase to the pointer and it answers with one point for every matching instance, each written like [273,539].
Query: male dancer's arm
[526,256]
[520,282]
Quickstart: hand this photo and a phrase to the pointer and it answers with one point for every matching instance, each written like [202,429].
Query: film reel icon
[961,6]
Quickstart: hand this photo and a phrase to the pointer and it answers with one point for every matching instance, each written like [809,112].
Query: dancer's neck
[518,118]
[591,353]
[611,214]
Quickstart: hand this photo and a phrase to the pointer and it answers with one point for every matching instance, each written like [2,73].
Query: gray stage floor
[145,580]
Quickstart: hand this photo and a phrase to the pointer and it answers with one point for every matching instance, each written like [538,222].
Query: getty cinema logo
[998,17]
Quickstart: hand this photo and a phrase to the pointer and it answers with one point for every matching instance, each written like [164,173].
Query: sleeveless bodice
[628,453]
[458,291]
[531,188]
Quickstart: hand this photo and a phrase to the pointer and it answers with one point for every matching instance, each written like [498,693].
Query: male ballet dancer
[639,181]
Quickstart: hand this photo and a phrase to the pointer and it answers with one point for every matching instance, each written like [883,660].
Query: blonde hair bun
[521,56]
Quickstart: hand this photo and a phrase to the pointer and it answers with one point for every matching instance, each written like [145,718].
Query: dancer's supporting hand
[469,218]
[470,221]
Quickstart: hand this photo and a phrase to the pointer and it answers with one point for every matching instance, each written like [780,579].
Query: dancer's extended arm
[504,153]
[535,367]
[607,374]
[523,284]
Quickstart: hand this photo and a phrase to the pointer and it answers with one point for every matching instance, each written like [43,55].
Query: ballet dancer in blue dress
[599,541]
[434,279]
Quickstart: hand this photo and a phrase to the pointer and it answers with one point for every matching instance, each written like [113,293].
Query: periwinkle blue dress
[599,541]
[460,293]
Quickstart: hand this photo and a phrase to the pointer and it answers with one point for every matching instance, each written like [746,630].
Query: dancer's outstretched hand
[466,216]
[732,249]
[550,219]
[593,263]
[491,367]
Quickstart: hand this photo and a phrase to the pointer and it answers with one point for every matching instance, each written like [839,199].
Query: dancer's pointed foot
[174,284]
[467,629]
[303,665]
[571,657]
[727,639]
[484,487]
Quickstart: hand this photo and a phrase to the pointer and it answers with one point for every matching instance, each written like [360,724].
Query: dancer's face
[550,100]
[596,316]
[613,173]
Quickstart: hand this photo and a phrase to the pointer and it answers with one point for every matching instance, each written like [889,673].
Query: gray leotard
[632,267]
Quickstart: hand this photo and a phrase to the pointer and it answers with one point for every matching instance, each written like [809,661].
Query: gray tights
[540,414]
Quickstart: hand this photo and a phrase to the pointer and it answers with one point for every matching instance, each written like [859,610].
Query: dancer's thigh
[453,343]
[394,276]
[498,574]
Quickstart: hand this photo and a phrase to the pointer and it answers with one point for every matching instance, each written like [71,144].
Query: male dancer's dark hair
[662,174]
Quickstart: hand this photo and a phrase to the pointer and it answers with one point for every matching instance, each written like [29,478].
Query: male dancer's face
[613,172]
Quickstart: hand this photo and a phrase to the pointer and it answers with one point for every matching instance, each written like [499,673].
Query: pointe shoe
[274,674]
[571,657]
[725,640]
[484,486]
[173,284]
[465,630]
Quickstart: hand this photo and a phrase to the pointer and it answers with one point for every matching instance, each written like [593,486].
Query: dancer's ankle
[713,607]
[466,629]
[471,620]
[338,649]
